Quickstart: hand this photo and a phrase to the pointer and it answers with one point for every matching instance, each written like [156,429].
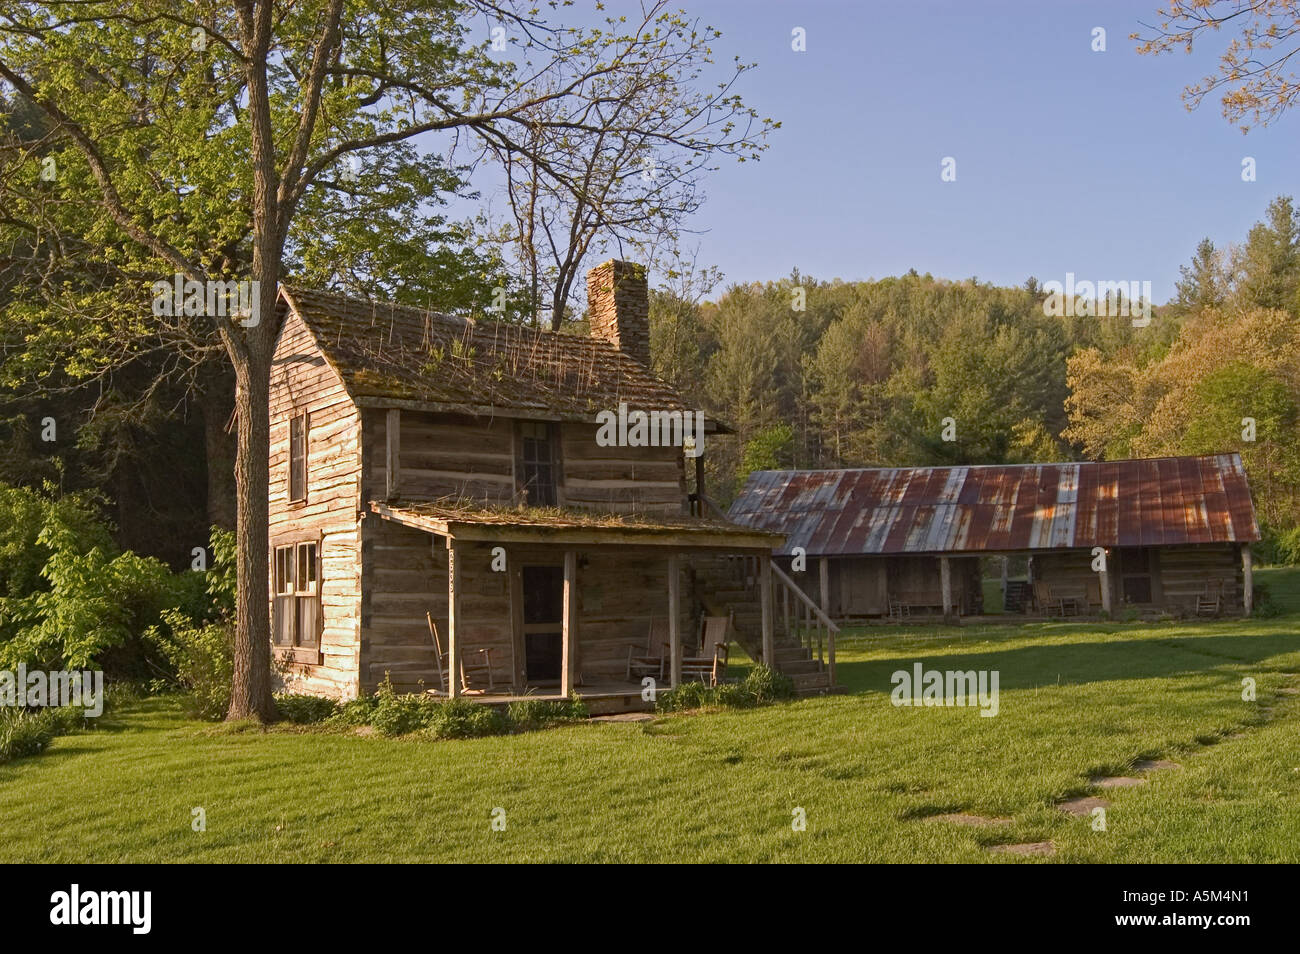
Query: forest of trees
[810,373]
[865,373]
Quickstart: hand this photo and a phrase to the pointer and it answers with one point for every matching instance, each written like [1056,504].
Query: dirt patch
[1026,848]
[1154,765]
[964,818]
[1082,806]
[1116,781]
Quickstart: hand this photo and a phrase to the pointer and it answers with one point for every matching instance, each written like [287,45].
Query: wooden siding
[619,591]
[862,586]
[621,479]
[301,382]
[444,455]
[1179,575]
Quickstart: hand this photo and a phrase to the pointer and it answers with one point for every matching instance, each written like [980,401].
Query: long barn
[1168,535]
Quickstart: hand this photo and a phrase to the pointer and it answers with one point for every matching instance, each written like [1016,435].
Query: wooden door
[543,595]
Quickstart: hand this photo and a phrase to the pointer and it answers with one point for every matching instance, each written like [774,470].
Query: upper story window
[538,463]
[298,458]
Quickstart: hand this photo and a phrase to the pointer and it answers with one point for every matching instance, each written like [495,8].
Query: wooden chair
[1210,603]
[480,662]
[710,665]
[898,609]
[643,660]
[1047,601]
[1093,598]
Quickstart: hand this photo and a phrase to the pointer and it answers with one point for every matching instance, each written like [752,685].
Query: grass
[1076,699]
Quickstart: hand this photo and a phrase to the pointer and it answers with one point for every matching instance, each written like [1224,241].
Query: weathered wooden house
[434,477]
[1175,534]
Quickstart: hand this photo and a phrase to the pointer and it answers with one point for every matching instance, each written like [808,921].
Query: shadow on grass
[1025,667]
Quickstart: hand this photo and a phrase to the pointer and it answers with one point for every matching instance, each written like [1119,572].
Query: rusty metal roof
[998,508]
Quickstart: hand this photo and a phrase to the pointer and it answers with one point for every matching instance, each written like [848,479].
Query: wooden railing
[799,616]
[812,627]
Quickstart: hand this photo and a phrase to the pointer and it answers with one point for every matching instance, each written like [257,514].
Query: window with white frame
[296,622]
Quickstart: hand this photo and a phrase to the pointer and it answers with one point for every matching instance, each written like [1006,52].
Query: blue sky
[1067,159]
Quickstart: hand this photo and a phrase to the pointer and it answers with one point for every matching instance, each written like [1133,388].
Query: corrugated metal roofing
[1126,503]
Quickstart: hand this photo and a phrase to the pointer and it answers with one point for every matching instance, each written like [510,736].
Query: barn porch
[533,603]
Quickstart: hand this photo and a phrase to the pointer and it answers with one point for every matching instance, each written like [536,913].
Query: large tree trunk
[250,695]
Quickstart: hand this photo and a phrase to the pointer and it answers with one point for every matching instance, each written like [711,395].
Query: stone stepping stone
[1116,781]
[1154,765]
[624,717]
[1082,805]
[964,818]
[1026,848]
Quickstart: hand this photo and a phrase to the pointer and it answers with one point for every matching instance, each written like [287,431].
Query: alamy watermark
[1103,299]
[61,687]
[636,428]
[933,687]
[215,299]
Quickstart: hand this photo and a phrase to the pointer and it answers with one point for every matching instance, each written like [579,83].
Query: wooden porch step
[798,667]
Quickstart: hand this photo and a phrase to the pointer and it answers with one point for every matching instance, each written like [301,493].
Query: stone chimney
[618,303]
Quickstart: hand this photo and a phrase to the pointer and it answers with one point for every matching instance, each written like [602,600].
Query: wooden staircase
[729,585]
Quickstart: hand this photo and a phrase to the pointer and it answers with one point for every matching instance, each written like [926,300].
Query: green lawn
[1076,699]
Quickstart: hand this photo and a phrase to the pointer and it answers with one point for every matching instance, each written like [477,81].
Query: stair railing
[812,626]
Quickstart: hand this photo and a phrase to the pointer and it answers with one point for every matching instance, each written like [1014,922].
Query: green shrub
[304,709]
[688,695]
[23,732]
[354,712]
[767,685]
[538,713]
[30,731]
[399,713]
[462,719]
[734,696]
[202,659]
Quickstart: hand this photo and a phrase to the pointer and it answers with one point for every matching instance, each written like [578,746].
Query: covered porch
[544,604]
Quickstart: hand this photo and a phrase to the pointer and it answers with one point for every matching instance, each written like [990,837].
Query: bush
[761,686]
[399,713]
[462,719]
[202,659]
[354,712]
[304,709]
[538,713]
[1279,546]
[767,685]
[24,733]
[29,732]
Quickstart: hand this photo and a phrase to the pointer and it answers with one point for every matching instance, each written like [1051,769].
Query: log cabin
[441,497]
[1155,536]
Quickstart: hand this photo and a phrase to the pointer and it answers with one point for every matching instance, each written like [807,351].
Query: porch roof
[573,527]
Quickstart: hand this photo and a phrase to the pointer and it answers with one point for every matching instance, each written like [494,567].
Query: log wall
[301,381]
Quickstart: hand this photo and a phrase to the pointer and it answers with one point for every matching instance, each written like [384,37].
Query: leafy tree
[198,139]
[1271,259]
[1252,73]
[1203,283]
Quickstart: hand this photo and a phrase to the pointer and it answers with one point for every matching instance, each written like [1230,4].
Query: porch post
[945,580]
[765,597]
[1247,579]
[453,618]
[824,571]
[1104,579]
[392,454]
[569,625]
[674,622]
